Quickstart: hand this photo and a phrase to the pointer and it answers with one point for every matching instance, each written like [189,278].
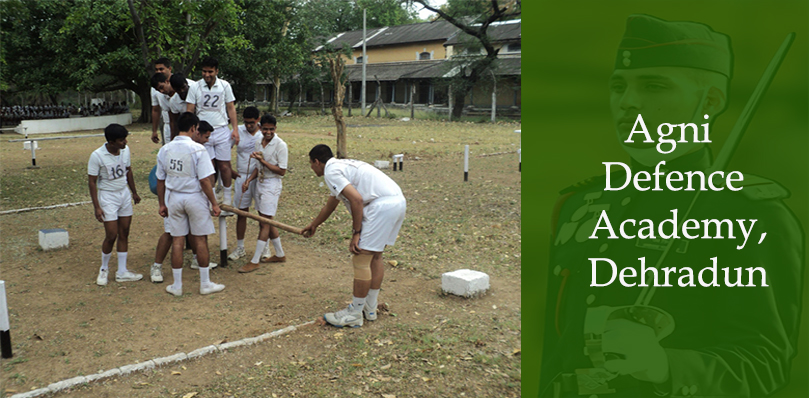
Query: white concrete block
[170,359]
[65,384]
[229,345]
[55,238]
[465,282]
[137,367]
[382,164]
[251,340]
[26,145]
[110,373]
[31,394]
[202,351]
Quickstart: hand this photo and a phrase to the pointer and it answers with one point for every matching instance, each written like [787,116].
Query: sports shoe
[211,287]
[237,254]
[249,267]
[128,276]
[274,259]
[175,291]
[347,317]
[369,312]
[195,264]
[266,254]
[157,273]
[102,277]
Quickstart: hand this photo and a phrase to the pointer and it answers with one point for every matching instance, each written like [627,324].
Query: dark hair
[210,62]
[268,119]
[156,79]
[251,112]
[321,152]
[115,132]
[164,61]
[204,127]
[177,81]
[186,121]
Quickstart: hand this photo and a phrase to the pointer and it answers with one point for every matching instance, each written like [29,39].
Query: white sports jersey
[110,169]
[161,100]
[178,105]
[210,102]
[248,144]
[369,181]
[275,153]
[182,163]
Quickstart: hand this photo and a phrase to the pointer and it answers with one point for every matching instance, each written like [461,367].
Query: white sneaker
[237,254]
[157,274]
[369,312]
[175,291]
[266,254]
[211,287]
[347,317]
[128,276]
[195,264]
[102,277]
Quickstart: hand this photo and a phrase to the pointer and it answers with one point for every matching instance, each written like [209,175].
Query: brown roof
[393,71]
[501,32]
[392,35]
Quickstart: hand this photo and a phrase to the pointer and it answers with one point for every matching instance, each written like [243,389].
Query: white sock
[178,277]
[240,243]
[159,265]
[121,263]
[228,194]
[204,276]
[276,243]
[371,298]
[105,260]
[358,303]
[260,245]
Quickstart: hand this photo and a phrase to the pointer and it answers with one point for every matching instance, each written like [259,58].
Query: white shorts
[115,204]
[243,200]
[381,221]
[218,145]
[269,191]
[189,212]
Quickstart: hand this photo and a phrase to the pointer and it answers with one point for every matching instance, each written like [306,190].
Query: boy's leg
[377,274]
[261,243]
[110,233]
[177,243]
[123,274]
[205,284]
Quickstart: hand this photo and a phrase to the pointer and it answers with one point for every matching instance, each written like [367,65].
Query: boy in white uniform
[212,100]
[249,139]
[109,172]
[377,208]
[272,158]
[184,191]
[160,103]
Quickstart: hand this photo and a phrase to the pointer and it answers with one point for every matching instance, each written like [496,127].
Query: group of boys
[197,147]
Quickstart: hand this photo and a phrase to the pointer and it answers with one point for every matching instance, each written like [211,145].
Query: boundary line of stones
[152,363]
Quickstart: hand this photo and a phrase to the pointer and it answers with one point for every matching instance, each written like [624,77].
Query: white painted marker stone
[202,351]
[55,238]
[34,393]
[170,359]
[65,384]
[381,164]
[465,282]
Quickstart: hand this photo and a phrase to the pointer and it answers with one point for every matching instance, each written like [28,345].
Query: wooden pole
[264,220]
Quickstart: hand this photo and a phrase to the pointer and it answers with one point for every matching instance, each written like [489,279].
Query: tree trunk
[322,99]
[276,82]
[145,95]
[336,69]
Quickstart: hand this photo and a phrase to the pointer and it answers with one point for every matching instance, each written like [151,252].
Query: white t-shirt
[161,100]
[369,181]
[110,169]
[275,153]
[210,102]
[248,144]
[182,163]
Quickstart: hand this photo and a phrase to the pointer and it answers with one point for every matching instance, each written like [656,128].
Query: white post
[223,242]
[466,163]
[5,329]
[494,95]
[364,61]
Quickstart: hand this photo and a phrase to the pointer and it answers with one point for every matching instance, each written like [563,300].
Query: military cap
[649,41]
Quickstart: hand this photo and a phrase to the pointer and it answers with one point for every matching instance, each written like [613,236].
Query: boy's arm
[130,180]
[92,182]
[205,183]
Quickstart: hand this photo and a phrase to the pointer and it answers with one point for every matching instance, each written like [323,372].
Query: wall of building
[72,124]
[508,94]
[400,53]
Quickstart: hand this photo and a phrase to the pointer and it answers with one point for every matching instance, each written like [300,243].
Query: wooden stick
[258,218]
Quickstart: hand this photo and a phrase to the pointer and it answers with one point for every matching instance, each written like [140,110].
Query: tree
[473,18]
[326,17]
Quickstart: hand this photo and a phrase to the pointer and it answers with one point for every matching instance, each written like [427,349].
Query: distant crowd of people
[12,115]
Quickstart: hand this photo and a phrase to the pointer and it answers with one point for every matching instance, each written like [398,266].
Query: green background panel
[567,132]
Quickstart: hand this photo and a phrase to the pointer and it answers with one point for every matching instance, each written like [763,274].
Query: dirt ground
[426,344]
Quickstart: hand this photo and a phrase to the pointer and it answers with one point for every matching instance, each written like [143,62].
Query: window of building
[514,47]
[425,55]
[358,60]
